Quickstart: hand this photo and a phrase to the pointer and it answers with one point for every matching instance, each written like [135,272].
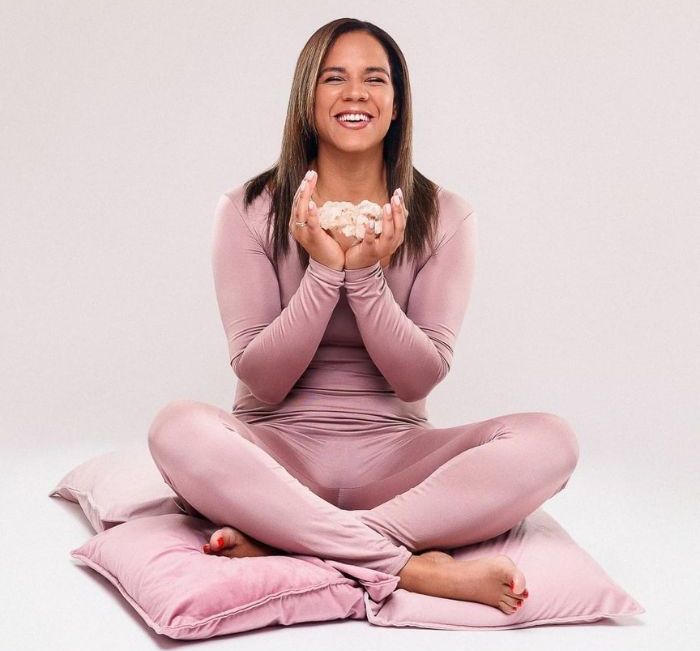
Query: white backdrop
[572,128]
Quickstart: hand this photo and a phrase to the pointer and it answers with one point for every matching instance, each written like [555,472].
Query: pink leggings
[371,499]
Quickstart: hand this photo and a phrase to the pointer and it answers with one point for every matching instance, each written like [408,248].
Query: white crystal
[350,218]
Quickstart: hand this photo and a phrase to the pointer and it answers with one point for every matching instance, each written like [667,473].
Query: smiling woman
[328,450]
[348,71]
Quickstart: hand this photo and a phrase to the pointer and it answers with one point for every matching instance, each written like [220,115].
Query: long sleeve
[414,350]
[269,347]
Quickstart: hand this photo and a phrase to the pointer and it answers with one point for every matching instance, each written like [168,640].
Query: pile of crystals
[350,218]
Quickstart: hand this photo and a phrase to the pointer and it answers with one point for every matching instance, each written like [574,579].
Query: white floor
[634,523]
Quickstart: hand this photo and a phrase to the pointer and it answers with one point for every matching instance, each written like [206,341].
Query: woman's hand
[308,232]
[371,248]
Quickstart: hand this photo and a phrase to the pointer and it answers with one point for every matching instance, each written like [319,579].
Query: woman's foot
[435,555]
[493,580]
[233,543]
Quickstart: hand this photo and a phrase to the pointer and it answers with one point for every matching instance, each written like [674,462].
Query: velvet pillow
[118,486]
[565,585]
[158,565]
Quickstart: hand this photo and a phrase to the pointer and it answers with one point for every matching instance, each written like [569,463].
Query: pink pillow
[158,565]
[118,486]
[565,585]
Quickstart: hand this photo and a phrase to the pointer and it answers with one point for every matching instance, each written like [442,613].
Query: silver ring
[300,223]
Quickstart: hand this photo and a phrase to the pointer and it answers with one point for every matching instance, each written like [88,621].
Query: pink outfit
[328,450]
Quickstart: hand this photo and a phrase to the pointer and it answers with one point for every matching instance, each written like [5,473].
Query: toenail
[220,542]
[206,548]
[512,585]
[526,593]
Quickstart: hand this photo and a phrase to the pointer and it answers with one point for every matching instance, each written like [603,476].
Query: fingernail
[308,175]
[400,191]
[396,200]
[387,209]
[302,185]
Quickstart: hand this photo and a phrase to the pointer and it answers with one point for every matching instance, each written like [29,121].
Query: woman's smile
[351,121]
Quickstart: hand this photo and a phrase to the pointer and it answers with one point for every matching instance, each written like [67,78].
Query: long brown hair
[300,145]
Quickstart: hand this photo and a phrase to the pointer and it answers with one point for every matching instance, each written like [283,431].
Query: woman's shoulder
[452,204]
[236,195]
[454,208]
[255,214]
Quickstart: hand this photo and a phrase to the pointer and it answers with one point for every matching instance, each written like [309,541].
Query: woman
[328,450]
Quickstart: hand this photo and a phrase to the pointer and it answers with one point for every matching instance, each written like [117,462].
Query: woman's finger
[300,205]
[398,213]
[295,204]
[310,216]
[403,213]
[388,222]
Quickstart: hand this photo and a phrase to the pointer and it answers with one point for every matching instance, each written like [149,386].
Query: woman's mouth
[353,120]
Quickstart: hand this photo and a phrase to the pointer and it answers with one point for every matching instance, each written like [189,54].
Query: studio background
[571,128]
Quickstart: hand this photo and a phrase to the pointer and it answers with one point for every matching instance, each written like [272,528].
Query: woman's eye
[340,78]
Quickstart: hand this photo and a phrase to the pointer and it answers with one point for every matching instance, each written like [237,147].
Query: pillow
[118,486]
[158,565]
[564,583]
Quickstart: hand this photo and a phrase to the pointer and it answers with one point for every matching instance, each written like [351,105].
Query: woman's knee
[176,424]
[563,441]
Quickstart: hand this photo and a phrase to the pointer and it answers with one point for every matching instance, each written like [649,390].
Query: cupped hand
[373,248]
[305,227]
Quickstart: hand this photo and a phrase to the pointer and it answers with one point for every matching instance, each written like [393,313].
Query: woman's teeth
[353,117]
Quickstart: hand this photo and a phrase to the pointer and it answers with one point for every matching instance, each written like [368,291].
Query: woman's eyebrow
[367,69]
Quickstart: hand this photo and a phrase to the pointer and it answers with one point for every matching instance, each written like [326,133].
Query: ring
[300,223]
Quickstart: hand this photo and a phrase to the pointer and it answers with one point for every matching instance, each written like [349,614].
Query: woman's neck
[350,177]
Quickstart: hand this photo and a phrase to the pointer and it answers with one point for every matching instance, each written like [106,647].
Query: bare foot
[233,543]
[493,580]
[437,556]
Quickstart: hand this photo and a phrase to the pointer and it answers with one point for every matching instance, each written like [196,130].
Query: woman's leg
[449,487]
[209,458]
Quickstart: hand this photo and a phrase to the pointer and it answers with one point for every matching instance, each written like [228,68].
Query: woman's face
[360,81]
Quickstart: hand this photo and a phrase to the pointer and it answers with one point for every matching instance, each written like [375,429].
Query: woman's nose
[356,89]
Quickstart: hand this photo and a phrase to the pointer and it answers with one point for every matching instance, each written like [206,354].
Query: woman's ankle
[413,574]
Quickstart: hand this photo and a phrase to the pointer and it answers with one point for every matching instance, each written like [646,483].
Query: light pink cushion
[158,565]
[118,486]
[564,583]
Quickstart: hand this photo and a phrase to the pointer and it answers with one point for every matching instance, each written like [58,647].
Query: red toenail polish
[526,593]
[206,548]
[220,542]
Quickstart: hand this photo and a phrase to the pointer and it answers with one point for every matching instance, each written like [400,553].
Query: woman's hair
[300,145]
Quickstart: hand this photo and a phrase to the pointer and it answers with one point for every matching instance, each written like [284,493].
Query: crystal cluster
[350,218]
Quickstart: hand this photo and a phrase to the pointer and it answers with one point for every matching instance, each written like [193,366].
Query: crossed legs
[448,487]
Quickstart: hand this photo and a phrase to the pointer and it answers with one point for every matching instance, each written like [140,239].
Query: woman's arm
[269,347]
[414,350]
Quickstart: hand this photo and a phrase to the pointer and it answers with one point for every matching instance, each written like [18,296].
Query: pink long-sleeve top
[324,348]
